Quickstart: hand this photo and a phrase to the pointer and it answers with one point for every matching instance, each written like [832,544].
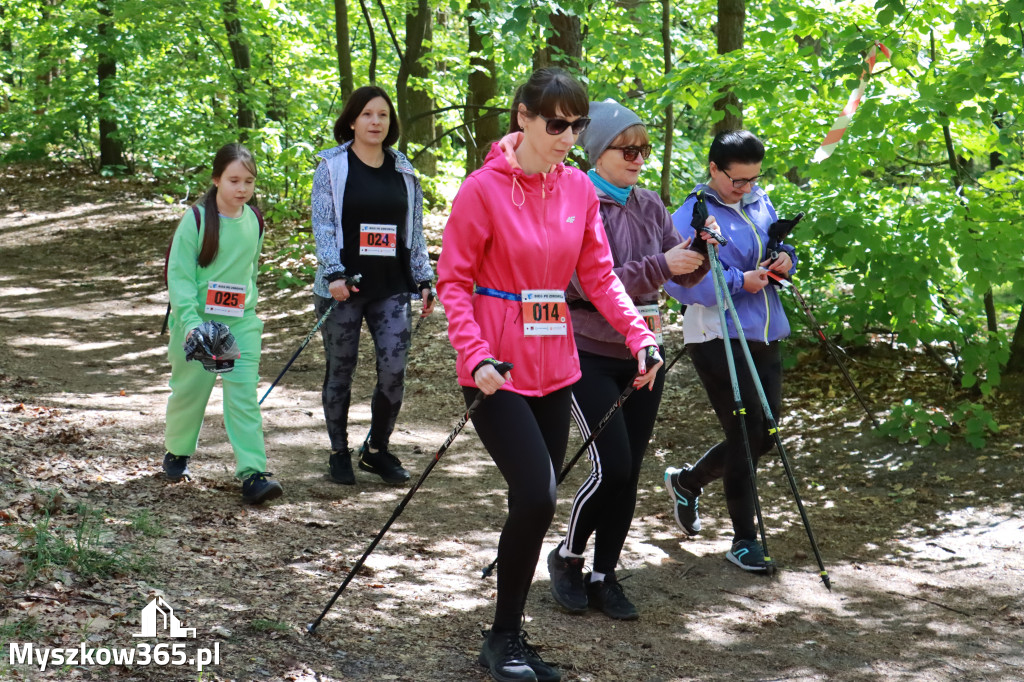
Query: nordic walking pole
[354,279]
[788,284]
[773,427]
[700,216]
[486,573]
[778,231]
[502,368]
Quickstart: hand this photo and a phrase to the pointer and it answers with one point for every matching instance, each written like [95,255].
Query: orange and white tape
[846,115]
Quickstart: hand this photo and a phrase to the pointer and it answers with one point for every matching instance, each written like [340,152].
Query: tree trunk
[565,45]
[111,152]
[44,79]
[481,129]
[731,14]
[670,122]
[343,46]
[242,63]
[7,46]
[414,102]
[1015,366]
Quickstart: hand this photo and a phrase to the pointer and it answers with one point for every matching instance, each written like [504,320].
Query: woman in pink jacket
[520,226]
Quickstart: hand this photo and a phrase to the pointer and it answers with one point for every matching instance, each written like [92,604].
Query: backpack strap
[259,217]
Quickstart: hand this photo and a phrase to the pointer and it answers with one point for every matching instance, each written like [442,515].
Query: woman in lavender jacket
[648,252]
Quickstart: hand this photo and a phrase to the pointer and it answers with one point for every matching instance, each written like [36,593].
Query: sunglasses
[557,126]
[740,182]
[631,151]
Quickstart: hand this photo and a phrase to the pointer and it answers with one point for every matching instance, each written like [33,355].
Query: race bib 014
[544,312]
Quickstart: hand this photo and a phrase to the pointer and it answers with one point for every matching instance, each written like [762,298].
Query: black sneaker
[384,464]
[259,488]
[544,671]
[567,582]
[748,555]
[504,655]
[341,467]
[176,468]
[608,596]
[684,502]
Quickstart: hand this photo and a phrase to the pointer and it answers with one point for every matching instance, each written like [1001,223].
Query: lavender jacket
[639,233]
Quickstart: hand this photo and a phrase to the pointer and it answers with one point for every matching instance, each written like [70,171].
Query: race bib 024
[378,240]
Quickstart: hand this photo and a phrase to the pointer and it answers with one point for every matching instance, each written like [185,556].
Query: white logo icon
[170,622]
[571,219]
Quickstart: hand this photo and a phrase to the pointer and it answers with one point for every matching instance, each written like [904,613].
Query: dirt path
[924,546]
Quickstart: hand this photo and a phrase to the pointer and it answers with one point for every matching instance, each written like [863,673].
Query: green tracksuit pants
[191,386]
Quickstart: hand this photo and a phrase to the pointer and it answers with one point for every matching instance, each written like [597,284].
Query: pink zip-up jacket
[510,231]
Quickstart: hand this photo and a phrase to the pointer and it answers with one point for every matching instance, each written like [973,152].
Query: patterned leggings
[390,324]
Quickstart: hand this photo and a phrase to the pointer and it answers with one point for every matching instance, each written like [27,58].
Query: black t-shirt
[373,218]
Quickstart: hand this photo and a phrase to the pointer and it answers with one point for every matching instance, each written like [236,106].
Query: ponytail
[211,237]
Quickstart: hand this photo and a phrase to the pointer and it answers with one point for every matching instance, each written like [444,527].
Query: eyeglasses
[631,151]
[740,182]
[557,126]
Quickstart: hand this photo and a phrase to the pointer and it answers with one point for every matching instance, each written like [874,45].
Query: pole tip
[311,629]
[825,579]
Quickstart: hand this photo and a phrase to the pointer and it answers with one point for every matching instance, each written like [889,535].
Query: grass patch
[145,524]
[265,625]
[80,542]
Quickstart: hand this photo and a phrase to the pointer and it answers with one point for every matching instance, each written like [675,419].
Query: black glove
[213,344]
[651,356]
[697,222]
[777,233]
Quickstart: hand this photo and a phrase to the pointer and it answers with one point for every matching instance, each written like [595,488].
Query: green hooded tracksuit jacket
[237,263]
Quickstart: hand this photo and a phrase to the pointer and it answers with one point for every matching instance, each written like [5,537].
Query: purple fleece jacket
[639,234]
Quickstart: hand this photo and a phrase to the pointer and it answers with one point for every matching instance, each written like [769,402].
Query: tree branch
[391,31]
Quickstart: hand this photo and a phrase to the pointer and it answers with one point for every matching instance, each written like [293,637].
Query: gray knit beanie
[607,120]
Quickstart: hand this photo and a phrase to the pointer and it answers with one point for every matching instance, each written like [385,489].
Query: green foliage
[910,421]
[910,222]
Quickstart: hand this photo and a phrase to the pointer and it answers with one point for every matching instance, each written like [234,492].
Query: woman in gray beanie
[648,251]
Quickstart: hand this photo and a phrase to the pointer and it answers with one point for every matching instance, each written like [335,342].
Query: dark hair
[225,156]
[546,92]
[735,146]
[354,106]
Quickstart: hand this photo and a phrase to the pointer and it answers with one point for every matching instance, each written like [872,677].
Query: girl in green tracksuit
[211,275]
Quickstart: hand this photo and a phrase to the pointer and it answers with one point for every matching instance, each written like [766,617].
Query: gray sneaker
[684,501]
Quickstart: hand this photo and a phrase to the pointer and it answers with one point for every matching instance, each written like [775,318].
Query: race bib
[378,240]
[544,312]
[652,317]
[225,299]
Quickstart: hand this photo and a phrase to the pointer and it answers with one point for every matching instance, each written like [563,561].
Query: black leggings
[526,437]
[728,459]
[605,502]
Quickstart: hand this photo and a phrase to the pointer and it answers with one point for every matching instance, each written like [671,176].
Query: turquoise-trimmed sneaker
[684,501]
[748,555]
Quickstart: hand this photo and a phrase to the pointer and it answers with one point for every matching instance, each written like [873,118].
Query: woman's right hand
[339,290]
[755,280]
[681,260]
[488,380]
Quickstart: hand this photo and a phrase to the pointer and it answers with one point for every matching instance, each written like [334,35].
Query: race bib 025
[223,298]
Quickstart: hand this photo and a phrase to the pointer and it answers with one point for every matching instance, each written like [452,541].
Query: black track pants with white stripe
[604,504]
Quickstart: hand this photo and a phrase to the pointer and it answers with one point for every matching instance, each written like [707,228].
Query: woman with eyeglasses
[648,252]
[744,214]
[520,227]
